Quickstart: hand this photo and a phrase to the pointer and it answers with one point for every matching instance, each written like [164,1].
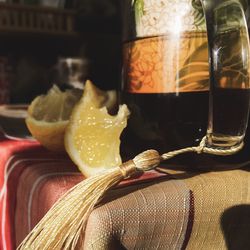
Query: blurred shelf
[16,19]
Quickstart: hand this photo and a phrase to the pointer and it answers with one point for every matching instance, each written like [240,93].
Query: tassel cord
[203,148]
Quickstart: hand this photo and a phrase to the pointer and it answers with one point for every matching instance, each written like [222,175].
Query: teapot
[185,73]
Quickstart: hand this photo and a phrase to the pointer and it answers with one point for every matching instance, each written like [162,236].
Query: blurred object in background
[98,16]
[52,3]
[103,52]
[12,121]
[30,78]
[48,3]
[100,20]
[35,34]
[71,72]
[32,2]
[22,18]
[5,72]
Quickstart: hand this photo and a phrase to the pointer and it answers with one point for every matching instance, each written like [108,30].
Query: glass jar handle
[229,98]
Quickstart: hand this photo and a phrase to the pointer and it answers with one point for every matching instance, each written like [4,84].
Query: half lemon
[48,116]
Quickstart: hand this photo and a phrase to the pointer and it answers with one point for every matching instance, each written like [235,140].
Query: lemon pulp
[92,137]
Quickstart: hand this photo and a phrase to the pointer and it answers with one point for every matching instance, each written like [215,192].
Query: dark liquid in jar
[230,107]
[165,121]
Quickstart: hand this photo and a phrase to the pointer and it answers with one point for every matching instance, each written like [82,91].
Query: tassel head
[147,160]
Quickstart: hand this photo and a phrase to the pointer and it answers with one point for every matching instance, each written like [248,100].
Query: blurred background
[43,42]
[59,41]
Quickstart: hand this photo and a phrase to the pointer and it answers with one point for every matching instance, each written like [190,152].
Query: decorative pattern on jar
[156,17]
[168,53]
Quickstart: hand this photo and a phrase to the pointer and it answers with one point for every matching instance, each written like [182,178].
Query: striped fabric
[16,157]
[31,180]
[11,166]
[153,211]
[39,187]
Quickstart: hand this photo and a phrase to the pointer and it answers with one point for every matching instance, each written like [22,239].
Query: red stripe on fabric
[39,188]
[8,201]
[190,220]
[7,149]
[142,178]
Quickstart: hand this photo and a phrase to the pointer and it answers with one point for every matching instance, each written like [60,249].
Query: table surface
[209,210]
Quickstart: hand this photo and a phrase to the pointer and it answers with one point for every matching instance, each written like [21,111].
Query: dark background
[33,56]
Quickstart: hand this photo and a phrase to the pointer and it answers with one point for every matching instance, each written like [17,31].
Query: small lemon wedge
[92,137]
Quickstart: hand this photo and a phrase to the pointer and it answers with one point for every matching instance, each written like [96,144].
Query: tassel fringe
[65,222]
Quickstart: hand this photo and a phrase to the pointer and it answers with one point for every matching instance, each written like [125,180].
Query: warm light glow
[180,21]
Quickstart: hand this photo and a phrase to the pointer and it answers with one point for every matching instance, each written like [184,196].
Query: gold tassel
[64,224]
